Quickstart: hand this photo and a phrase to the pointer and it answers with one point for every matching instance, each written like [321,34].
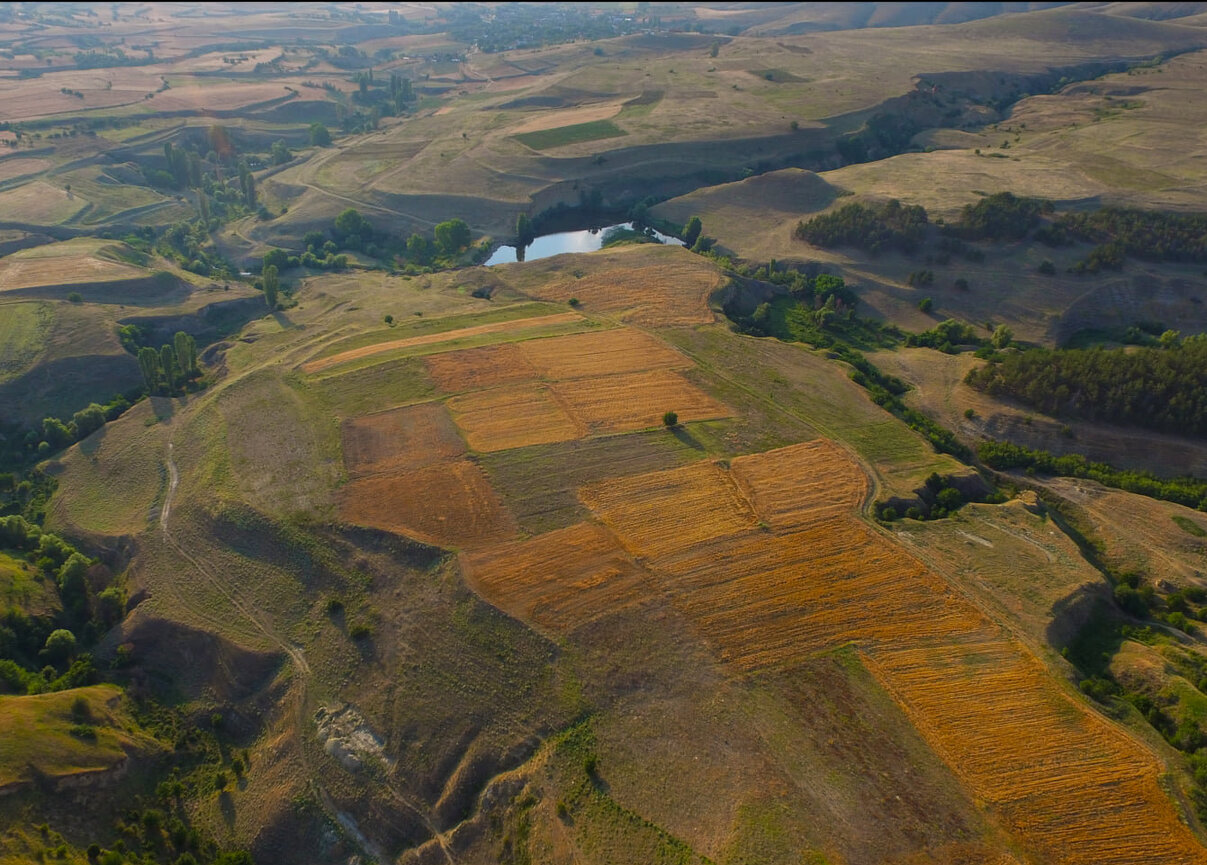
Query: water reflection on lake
[587,240]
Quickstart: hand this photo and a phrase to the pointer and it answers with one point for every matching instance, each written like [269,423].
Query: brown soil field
[476,368]
[220,97]
[437,338]
[607,352]
[673,512]
[635,401]
[560,579]
[799,484]
[512,417]
[401,439]
[1071,787]
[449,504]
[642,285]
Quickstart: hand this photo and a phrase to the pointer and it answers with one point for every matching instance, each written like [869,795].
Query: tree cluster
[171,368]
[44,651]
[1154,388]
[872,227]
[1149,235]
[999,217]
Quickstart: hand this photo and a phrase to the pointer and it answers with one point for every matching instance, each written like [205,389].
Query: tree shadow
[227,805]
[687,438]
[92,443]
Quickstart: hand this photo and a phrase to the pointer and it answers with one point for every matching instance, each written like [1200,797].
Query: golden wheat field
[560,579]
[450,504]
[607,352]
[633,401]
[511,417]
[399,439]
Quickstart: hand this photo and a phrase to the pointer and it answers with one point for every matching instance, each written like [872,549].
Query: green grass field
[546,139]
[23,331]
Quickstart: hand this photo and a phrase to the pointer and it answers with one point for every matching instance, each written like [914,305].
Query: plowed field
[560,579]
[449,504]
[1070,786]
[400,440]
[512,417]
[635,400]
[476,368]
[607,352]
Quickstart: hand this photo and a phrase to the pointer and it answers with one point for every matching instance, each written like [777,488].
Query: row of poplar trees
[169,369]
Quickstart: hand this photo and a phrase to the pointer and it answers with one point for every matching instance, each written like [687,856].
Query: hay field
[23,329]
[619,350]
[67,263]
[513,416]
[648,285]
[1070,786]
[634,401]
[17,166]
[559,580]
[450,504]
[496,327]
[400,439]
[478,368]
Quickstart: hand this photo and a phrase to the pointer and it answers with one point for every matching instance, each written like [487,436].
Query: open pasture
[646,285]
[560,579]
[18,166]
[495,327]
[39,203]
[449,504]
[513,416]
[400,439]
[635,400]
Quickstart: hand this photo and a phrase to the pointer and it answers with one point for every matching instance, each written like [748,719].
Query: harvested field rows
[477,368]
[560,579]
[400,440]
[512,326]
[635,401]
[673,512]
[608,352]
[1076,789]
[449,504]
[512,417]
[1072,788]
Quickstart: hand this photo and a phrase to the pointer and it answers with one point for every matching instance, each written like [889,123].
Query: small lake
[587,240]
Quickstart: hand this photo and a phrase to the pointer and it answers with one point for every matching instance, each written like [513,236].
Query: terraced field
[1068,784]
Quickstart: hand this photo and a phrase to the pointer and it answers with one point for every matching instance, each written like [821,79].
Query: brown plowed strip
[477,368]
[518,324]
[450,504]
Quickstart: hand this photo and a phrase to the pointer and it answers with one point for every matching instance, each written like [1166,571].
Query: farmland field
[513,416]
[399,440]
[634,401]
[547,139]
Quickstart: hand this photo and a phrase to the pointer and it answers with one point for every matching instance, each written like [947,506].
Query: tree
[691,231]
[186,353]
[670,420]
[148,361]
[88,420]
[1002,336]
[926,304]
[453,236]
[524,233]
[280,152]
[167,360]
[272,285]
[419,249]
[351,224]
[60,645]
[320,136]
